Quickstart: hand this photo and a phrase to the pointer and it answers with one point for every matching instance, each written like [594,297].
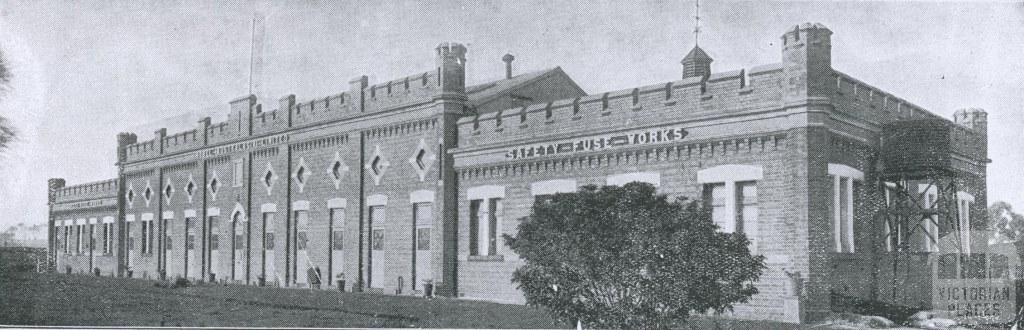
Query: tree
[1007,225]
[626,257]
[7,132]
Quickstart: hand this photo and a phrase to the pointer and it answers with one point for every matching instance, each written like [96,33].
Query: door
[423,219]
[92,247]
[337,246]
[269,267]
[377,240]
[191,261]
[238,247]
[130,242]
[214,247]
[302,262]
[172,263]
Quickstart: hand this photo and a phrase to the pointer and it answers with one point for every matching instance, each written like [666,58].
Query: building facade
[412,181]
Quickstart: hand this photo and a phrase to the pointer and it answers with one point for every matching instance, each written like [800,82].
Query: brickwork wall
[677,165]
[317,156]
[397,146]
[792,119]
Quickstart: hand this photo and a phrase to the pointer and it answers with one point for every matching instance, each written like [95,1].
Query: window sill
[486,258]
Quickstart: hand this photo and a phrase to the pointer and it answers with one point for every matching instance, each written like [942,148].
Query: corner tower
[807,60]
[451,103]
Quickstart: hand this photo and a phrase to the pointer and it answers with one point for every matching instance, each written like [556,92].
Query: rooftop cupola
[696,64]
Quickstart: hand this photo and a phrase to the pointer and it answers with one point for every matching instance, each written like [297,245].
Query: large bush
[625,257]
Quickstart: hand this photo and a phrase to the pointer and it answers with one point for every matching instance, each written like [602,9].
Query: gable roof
[486,92]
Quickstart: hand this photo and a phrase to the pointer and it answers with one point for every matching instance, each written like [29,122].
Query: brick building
[392,184]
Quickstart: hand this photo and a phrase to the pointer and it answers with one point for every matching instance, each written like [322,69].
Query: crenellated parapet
[248,120]
[719,95]
[414,90]
[186,140]
[410,90]
[858,99]
[142,150]
[86,191]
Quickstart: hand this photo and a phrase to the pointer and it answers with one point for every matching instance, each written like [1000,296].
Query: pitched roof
[483,93]
[697,55]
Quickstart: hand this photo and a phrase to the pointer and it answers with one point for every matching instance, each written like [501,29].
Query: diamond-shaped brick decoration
[190,188]
[422,159]
[301,174]
[337,170]
[269,177]
[168,192]
[213,186]
[377,165]
[130,195]
[147,195]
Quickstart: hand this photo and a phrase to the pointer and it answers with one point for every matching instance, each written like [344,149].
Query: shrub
[181,282]
[625,257]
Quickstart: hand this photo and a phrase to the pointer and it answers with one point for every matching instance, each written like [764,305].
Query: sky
[85,70]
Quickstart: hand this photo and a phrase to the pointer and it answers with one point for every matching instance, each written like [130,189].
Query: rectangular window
[747,212]
[484,220]
[149,239]
[734,208]
[300,240]
[337,229]
[302,221]
[715,198]
[145,237]
[67,239]
[105,239]
[128,232]
[423,239]
[378,239]
[237,173]
[80,232]
[423,216]
[110,242]
[190,238]
[843,213]
[268,242]
[337,240]
[214,234]
[474,226]
[492,234]
[377,218]
[239,236]
[168,241]
[268,230]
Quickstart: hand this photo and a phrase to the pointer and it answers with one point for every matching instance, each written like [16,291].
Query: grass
[28,298]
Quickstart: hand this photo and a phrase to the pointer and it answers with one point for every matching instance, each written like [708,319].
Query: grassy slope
[28,298]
